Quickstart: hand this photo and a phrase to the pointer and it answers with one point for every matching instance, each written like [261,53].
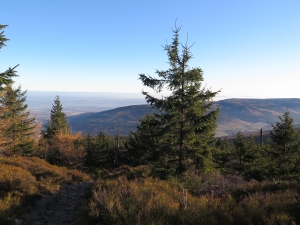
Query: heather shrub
[16,179]
[122,202]
[200,199]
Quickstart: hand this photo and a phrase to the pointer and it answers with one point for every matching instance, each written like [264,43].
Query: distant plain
[74,103]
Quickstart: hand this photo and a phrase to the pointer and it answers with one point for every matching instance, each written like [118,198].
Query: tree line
[177,138]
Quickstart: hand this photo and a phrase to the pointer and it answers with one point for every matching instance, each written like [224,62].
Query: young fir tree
[240,148]
[58,123]
[223,154]
[58,145]
[89,149]
[144,144]
[99,151]
[187,116]
[284,148]
[254,160]
[20,126]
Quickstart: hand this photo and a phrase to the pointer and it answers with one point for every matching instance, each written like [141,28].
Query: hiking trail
[59,208]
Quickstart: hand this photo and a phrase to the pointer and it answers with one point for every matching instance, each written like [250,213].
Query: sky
[246,48]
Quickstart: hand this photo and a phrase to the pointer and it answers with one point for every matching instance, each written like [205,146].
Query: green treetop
[58,123]
[187,116]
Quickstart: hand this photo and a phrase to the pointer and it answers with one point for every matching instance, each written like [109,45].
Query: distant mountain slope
[248,115]
[125,117]
[265,109]
[245,115]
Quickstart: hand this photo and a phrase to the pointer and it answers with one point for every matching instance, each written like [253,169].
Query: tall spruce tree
[5,79]
[284,148]
[58,123]
[187,117]
[20,125]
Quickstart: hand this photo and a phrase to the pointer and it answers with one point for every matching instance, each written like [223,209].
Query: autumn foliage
[62,149]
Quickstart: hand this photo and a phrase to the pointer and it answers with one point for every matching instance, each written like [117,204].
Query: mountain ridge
[245,115]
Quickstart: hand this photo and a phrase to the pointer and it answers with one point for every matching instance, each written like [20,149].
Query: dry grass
[23,179]
[144,200]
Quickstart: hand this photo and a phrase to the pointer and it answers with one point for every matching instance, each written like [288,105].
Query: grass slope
[24,179]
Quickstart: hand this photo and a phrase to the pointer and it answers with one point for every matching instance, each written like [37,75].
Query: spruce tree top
[58,123]
[6,77]
[2,36]
[184,82]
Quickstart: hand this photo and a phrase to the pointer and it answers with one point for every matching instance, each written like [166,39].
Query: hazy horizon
[125,95]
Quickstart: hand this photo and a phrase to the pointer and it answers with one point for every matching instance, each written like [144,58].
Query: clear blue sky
[247,48]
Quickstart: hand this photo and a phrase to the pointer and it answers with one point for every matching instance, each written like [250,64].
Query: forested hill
[126,118]
[250,115]
[245,115]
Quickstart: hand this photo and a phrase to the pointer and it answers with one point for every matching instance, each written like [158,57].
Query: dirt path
[59,208]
